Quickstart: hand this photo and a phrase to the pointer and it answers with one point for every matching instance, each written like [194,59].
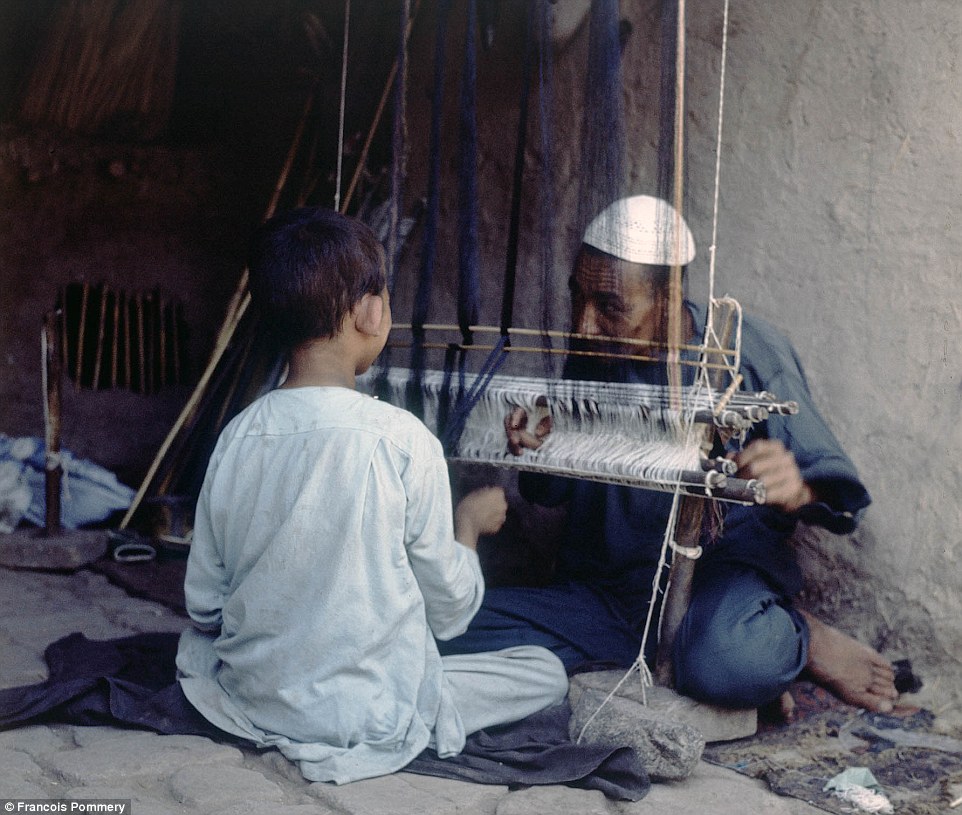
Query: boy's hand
[519,438]
[481,512]
[771,463]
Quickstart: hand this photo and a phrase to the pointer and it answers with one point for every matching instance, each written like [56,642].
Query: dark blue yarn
[469,291]
[422,298]
[469,398]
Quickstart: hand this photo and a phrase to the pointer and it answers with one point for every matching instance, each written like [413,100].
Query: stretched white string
[702,382]
[718,146]
[340,122]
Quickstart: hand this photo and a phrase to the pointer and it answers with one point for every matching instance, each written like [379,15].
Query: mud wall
[838,221]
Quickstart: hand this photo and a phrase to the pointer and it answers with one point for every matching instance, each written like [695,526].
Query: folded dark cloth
[131,682]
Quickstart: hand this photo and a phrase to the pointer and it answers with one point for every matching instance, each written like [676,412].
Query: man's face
[613,298]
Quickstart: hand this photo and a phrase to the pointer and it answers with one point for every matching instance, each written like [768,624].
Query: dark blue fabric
[612,540]
[131,683]
[741,644]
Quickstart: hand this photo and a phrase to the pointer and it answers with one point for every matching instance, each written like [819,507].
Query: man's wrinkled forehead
[599,272]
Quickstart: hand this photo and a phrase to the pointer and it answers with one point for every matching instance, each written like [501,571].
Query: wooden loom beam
[688,537]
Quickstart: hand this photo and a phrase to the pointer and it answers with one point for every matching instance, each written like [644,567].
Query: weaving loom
[615,433]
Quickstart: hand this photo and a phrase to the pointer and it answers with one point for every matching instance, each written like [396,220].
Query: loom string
[514,225]
[398,146]
[703,382]
[468,261]
[422,298]
[340,115]
[546,189]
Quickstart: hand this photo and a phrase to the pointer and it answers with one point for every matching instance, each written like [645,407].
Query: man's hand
[768,461]
[481,512]
[515,424]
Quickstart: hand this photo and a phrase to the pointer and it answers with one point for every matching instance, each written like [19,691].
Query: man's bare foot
[786,707]
[857,674]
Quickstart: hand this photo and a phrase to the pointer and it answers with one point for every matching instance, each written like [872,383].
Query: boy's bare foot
[857,674]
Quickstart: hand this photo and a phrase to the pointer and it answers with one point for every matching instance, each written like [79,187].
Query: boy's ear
[368,314]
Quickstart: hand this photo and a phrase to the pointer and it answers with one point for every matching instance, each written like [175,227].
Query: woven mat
[919,769]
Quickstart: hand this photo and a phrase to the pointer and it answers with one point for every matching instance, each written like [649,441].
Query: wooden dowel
[81,329]
[128,373]
[175,340]
[162,334]
[688,534]
[141,350]
[184,416]
[115,344]
[101,334]
[555,334]
[443,346]
[53,374]
[62,315]
[362,159]
[150,332]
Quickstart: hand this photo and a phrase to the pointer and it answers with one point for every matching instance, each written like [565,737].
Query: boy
[325,560]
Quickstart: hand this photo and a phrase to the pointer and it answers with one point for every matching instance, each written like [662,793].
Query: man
[742,641]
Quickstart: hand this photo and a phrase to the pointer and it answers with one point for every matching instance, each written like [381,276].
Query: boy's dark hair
[308,268]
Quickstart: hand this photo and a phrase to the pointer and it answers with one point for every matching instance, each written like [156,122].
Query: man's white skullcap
[642,229]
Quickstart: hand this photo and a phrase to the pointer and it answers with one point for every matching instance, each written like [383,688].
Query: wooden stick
[150,332]
[187,412]
[128,373]
[362,159]
[510,349]
[688,536]
[568,335]
[235,311]
[116,341]
[62,312]
[175,339]
[101,329]
[81,329]
[141,350]
[162,334]
[53,373]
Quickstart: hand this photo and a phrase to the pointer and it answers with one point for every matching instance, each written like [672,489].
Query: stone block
[713,722]
[203,788]
[144,755]
[70,549]
[551,800]
[668,749]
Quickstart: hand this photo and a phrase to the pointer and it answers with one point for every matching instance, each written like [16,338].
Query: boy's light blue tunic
[323,567]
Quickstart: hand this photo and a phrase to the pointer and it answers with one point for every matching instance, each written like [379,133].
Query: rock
[713,722]
[70,549]
[668,749]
